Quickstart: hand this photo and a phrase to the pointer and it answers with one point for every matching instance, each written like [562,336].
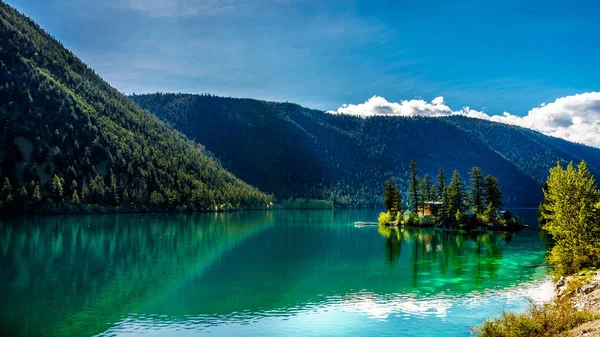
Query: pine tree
[425,191]
[476,191]
[6,190]
[492,193]
[491,213]
[456,194]
[388,194]
[36,196]
[440,188]
[114,192]
[75,198]
[413,188]
[84,192]
[57,188]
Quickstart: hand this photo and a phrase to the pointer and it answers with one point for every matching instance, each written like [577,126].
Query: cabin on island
[431,208]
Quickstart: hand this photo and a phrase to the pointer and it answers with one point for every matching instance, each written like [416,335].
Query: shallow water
[274,273]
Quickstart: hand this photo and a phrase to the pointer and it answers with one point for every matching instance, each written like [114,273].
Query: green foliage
[67,130]
[413,187]
[385,218]
[57,188]
[425,187]
[571,214]
[492,193]
[411,219]
[476,190]
[392,201]
[456,194]
[491,214]
[550,319]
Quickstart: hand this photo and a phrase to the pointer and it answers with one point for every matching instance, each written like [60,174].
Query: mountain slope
[69,141]
[289,150]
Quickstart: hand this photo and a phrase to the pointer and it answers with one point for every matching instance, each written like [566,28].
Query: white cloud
[574,118]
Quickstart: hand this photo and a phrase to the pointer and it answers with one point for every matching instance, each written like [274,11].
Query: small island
[448,205]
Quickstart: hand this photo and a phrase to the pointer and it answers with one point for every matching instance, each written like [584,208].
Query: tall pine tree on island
[392,201]
[476,191]
[492,194]
[413,188]
[456,194]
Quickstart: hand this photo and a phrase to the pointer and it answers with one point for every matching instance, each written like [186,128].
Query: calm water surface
[277,273]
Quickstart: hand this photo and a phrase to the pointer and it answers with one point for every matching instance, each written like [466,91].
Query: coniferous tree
[114,192]
[456,194]
[84,193]
[477,189]
[413,188]
[6,190]
[57,188]
[427,184]
[425,191]
[388,194]
[75,198]
[492,193]
[36,196]
[440,189]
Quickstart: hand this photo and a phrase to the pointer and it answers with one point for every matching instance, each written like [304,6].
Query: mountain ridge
[347,158]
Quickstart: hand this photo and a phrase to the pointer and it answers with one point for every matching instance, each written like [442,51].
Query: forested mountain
[289,150]
[69,141]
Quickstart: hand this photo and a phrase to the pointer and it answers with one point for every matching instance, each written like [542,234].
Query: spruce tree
[57,188]
[388,194]
[6,190]
[492,193]
[456,194]
[413,188]
[36,196]
[476,191]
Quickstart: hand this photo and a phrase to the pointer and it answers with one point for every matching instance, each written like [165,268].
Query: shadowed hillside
[289,150]
[71,142]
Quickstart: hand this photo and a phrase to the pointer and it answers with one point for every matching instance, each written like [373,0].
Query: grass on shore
[551,319]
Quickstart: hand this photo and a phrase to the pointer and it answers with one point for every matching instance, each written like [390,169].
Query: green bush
[550,319]
[385,218]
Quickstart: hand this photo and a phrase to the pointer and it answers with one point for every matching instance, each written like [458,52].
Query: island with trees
[451,205]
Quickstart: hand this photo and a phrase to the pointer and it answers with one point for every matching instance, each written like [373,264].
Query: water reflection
[238,273]
[74,276]
[476,255]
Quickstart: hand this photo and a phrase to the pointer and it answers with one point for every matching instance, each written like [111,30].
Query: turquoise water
[277,273]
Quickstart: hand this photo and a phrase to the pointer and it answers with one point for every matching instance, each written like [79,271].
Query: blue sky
[491,56]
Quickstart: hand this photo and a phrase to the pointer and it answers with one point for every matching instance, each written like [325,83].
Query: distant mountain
[288,150]
[71,142]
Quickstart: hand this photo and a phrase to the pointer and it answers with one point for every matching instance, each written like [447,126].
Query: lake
[272,273]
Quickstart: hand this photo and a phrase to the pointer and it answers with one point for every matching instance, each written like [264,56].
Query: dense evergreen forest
[71,142]
[291,151]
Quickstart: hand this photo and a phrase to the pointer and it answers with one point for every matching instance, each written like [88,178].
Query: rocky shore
[583,290]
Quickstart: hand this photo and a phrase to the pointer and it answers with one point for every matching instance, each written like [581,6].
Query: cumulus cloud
[574,118]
